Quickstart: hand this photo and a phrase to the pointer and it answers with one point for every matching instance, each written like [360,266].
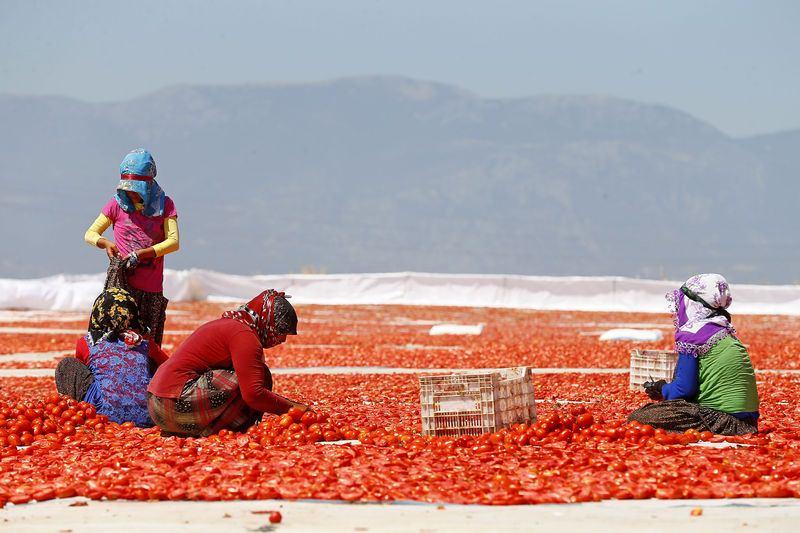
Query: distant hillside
[388,174]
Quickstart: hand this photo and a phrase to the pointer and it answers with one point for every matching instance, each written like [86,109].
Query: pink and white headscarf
[699,309]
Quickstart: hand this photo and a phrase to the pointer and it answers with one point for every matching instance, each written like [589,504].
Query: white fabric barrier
[59,293]
[456,329]
[627,334]
[77,292]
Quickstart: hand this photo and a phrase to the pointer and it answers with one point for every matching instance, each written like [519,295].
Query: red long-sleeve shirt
[221,343]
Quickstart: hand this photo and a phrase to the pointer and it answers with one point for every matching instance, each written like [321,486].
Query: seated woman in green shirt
[714,386]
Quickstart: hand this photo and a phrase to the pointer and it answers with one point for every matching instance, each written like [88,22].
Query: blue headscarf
[137,174]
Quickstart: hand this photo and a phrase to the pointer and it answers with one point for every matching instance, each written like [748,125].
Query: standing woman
[145,230]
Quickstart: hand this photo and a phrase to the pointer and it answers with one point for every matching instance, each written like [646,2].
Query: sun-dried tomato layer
[397,336]
[570,454]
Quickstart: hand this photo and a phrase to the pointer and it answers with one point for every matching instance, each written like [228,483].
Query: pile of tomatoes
[580,448]
[295,427]
[571,453]
[51,420]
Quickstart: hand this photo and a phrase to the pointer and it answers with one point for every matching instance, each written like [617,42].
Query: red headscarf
[259,315]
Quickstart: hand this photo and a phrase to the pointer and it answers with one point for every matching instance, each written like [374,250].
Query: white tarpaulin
[456,329]
[77,292]
[626,334]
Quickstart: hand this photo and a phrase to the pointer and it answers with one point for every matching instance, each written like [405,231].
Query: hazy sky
[734,64]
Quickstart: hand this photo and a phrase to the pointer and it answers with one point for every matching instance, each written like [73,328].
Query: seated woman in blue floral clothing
[114,361]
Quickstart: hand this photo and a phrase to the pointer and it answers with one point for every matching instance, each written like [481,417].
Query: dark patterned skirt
[206,405]
[680,415]
[152,305]
[73,378]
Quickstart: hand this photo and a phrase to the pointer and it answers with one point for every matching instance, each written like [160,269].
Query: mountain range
[379,174]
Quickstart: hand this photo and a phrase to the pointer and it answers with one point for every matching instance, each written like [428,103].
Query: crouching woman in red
[217,378]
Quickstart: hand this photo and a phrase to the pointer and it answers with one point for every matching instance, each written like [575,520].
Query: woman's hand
[144,253]
[653,389]
[109,247]
[135,257]
[303,407]
[131,260]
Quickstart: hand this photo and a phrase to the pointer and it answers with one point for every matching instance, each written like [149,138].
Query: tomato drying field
[397,336]
[580,448]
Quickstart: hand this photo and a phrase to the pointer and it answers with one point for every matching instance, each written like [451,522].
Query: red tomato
[308,418]
[296,414]
[584,420]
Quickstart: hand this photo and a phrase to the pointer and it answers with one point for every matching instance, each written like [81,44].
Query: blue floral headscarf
[137,174]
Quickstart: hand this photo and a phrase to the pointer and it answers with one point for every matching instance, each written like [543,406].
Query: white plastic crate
[651,364]
[476,402]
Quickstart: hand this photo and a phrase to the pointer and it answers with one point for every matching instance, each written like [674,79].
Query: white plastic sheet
[627,334]
[456,329]
[77,292]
